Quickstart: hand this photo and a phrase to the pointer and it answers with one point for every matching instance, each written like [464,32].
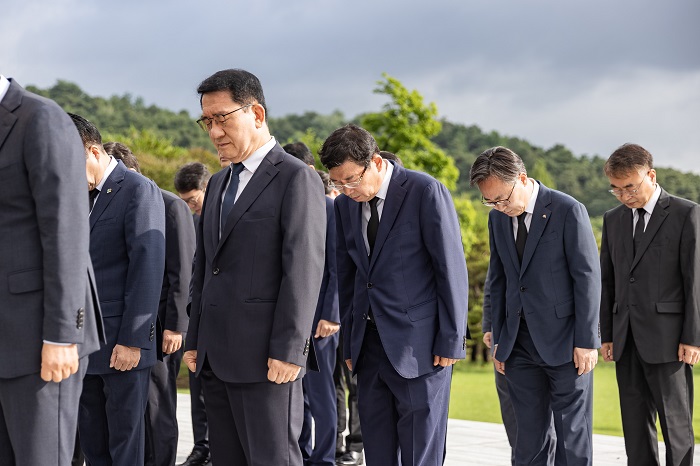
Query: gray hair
[499,162]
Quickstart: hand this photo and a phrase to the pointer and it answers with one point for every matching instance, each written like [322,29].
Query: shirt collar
[384,188]
[530,209]
[110,168]
[4,86]
[649,207]
[253,162]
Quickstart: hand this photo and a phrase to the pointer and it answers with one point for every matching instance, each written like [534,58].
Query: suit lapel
[214,189]
[507,226]
[355,212]
[625,229]
[392,204]
[538,222]
[658,216]
[9,103]
[109,189]
[257,184]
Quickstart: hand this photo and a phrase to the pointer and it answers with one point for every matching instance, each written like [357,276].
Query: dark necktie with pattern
[639,229]
[93,195]
[373,224]
[521,236]
[230,196]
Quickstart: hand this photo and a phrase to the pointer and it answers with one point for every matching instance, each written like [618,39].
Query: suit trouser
[253,424]
[200,426]
[646,389]
[537,390]
[111,419]
[161,412]
[346,408]
[401,418]
[38,420]
[320,404]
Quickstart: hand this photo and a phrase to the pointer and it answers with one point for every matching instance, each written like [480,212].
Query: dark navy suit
[541,310]
[319,388]
[416,285]
[127,246]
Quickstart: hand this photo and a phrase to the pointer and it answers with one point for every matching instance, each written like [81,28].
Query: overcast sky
[590,75]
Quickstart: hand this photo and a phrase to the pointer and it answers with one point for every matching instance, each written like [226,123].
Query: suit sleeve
[347,270]
[486,309]
[690,270]
[443,240]
[55,162]
[329,306]
[144,225]
[497,291]
[303,220]
[179,247]
[607,295]
[197,282]
[584,268]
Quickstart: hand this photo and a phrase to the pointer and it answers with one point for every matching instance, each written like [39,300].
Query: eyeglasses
[501,202]
[206,122]
[350,185]
[617,192]
[192,200]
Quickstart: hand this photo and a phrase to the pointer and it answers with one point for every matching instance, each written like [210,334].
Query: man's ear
[95,151]
[259,113]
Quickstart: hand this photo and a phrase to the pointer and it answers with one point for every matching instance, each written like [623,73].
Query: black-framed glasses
[350,185]
[619,192]
[501,202]
[206,122]
[193,200]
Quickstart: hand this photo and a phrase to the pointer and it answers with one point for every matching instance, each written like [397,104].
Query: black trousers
[161,412]
[348,416]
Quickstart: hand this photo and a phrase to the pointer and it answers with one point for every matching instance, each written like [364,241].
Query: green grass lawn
[474,398]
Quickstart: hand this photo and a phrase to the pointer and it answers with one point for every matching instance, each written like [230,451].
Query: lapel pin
[544,215]
[109,190]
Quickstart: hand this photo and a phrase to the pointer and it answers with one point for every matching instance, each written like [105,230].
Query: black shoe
[350,458]
[196,458]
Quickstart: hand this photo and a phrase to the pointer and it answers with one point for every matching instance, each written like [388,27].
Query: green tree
[405,126]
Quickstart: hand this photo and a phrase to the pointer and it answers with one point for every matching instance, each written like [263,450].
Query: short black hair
[88,131]
[300,151]
[121,152]
[348,143]
[626,159]
[191,176]
[244,87]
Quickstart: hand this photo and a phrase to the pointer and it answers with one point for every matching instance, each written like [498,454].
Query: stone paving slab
[468,443]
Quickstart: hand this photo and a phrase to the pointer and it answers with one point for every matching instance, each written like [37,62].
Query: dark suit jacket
[656,291]
[180,242]
[416,282]
[327,307]
[557,286]
[127,246]
[256,288]
[45,292]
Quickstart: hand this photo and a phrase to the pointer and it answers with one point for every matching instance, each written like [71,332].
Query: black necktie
[230,195]
[639,229]
[93,195]
[521,237]
[373,224]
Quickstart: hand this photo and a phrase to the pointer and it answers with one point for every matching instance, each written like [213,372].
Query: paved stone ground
[468,443]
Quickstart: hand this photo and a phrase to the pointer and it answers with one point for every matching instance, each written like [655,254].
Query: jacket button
[215,271]
[522,288]
[632,280]
[364,316]
[369,285]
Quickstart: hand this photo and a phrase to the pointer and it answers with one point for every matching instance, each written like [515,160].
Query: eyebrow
[628,185]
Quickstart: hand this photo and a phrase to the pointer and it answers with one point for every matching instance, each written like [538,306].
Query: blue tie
[230,195]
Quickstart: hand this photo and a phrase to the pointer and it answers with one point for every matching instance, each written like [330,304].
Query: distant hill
[581,177]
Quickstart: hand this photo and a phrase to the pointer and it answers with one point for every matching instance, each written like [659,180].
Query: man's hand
[58,362]
[281,372]
[326,328]
[172,341]
[688,354]
[190,358]
[500,366]
[585,359]
[444,362]
[348,362]
[607,351]
[487,339]
[125,358]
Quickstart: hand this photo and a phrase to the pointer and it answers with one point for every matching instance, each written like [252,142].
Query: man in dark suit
[545,291]
[191,182]
[650,307]
[49,313]
[319,389]
[403,290]
[127,246]
[161,409]
[258,269]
